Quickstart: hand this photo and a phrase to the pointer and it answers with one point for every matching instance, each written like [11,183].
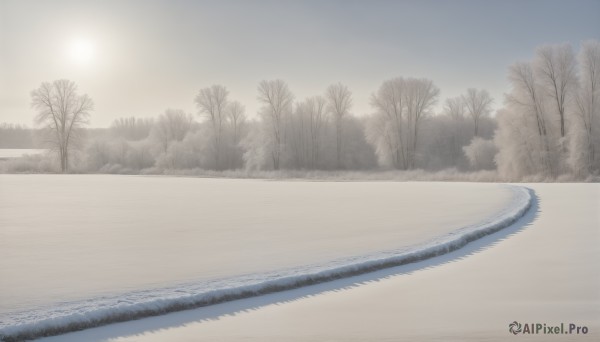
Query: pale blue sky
[152,55]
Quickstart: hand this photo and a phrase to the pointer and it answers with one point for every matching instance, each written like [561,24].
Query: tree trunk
[339,143]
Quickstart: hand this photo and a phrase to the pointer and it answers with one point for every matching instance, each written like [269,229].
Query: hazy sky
[138,58]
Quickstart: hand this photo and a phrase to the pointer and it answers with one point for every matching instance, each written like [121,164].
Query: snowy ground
[87,244]
[541,270]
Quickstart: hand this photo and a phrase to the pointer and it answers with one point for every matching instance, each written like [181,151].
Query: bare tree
[297,136]
[277,101]
[556,68]
[171,126]
[389,104]
[527,102]
[306,129]
[316,107]
[63,113]
[340,101]
[404,103]
[212,102]
[381,136]
[236,118]
[132,128]
[587,111]
[421,94]
[455,108]
[454,135]
[478,104]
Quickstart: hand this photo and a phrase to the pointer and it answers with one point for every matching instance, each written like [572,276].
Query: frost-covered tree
[297,146]
[256,146]
[548,121]
[236,119]
[305,132]
[456,128]
[455,108]
[401,105]
[421,96]
[478,105]
[526,139]
[386,130]
[585,140]
[171,126]
[358,153]
[339,103]
[131,128]
[212,103]
[480,153]
[316,108]
[277,99]
[62,113]
[117,155]
[194,151]
[555,70]
[444,136]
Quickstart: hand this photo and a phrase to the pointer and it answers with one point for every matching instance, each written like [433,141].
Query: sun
[81,51]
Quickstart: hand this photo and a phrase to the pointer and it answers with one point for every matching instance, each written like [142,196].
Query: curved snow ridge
[74,316]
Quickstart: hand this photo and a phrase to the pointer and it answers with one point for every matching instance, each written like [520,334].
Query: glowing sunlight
[81,51]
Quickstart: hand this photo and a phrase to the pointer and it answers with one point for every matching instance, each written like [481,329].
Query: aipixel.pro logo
[545,329]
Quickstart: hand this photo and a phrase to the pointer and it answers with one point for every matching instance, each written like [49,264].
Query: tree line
[547,126]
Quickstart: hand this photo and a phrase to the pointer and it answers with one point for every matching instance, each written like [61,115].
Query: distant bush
[481,153]
[37,163]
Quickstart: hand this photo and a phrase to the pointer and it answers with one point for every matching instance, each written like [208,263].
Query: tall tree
[387,131]
[340,102]
[305,130]
[236,118]
[586,142]
[171,126]
[212,103]
[555,66]
[316,106]
[401,105]
[421,94]
[478,104]
[297,136]
[277,100]
[63,113]
[524,135]
[456,130]
[455,108]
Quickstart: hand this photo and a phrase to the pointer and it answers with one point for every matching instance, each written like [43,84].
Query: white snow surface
[81,251]
[542,269]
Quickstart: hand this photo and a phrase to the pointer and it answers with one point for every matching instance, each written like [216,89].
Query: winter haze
[299,170]
[150,55]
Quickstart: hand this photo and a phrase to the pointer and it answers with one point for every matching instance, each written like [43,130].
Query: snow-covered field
[76,248]
[543,269]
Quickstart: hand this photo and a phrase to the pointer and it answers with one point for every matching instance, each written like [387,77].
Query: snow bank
[80,315]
